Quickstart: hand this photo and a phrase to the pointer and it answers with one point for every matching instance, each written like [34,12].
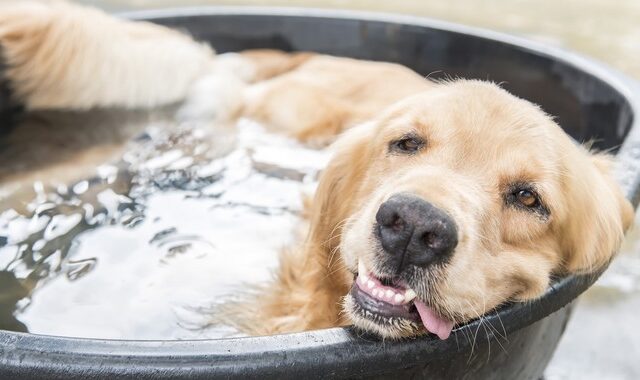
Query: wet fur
[53,51]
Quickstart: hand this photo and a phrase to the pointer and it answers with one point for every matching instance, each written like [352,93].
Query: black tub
[591,102]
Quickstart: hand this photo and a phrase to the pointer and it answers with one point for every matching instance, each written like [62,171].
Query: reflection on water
[167,225]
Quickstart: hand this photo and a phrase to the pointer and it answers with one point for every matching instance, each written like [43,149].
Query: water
[143,245]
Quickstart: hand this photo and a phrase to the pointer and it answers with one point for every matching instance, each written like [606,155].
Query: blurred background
[602,340]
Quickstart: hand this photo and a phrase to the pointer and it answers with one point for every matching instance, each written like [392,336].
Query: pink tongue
[433,323]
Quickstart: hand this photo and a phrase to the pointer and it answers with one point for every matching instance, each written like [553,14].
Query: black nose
[415,232]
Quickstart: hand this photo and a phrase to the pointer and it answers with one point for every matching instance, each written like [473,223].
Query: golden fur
[480,141]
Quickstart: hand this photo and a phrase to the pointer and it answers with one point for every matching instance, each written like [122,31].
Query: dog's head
[457,200]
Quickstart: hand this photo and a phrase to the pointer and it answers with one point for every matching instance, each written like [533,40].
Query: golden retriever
[442,201]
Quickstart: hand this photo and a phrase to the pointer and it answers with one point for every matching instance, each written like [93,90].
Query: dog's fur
[480,143]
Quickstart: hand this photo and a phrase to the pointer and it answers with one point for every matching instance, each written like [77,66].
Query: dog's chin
[369,315]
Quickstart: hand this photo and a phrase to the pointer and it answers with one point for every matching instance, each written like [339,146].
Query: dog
[442,202]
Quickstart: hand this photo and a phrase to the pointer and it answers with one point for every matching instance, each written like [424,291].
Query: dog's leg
[298,109]
[67,56]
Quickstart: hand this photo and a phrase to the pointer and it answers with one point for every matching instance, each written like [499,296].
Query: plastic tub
[590,102]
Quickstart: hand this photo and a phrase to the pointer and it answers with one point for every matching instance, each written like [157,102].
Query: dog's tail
[59,55]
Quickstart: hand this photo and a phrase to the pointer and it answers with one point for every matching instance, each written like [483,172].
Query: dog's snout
[415,232]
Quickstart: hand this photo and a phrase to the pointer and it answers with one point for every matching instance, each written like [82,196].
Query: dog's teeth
[409,295]
[375,292]
[389,294]
[398,298]
[370,284]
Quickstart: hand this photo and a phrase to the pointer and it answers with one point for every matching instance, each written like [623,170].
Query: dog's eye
[527,198]
[524,197]
[407,144]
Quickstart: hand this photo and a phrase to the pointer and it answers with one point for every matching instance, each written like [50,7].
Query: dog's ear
[598,214]
[337,192]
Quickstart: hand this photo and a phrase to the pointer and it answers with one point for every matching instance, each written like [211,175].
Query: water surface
[147,241]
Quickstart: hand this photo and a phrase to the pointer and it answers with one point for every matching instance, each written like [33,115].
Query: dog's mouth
[383,301]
